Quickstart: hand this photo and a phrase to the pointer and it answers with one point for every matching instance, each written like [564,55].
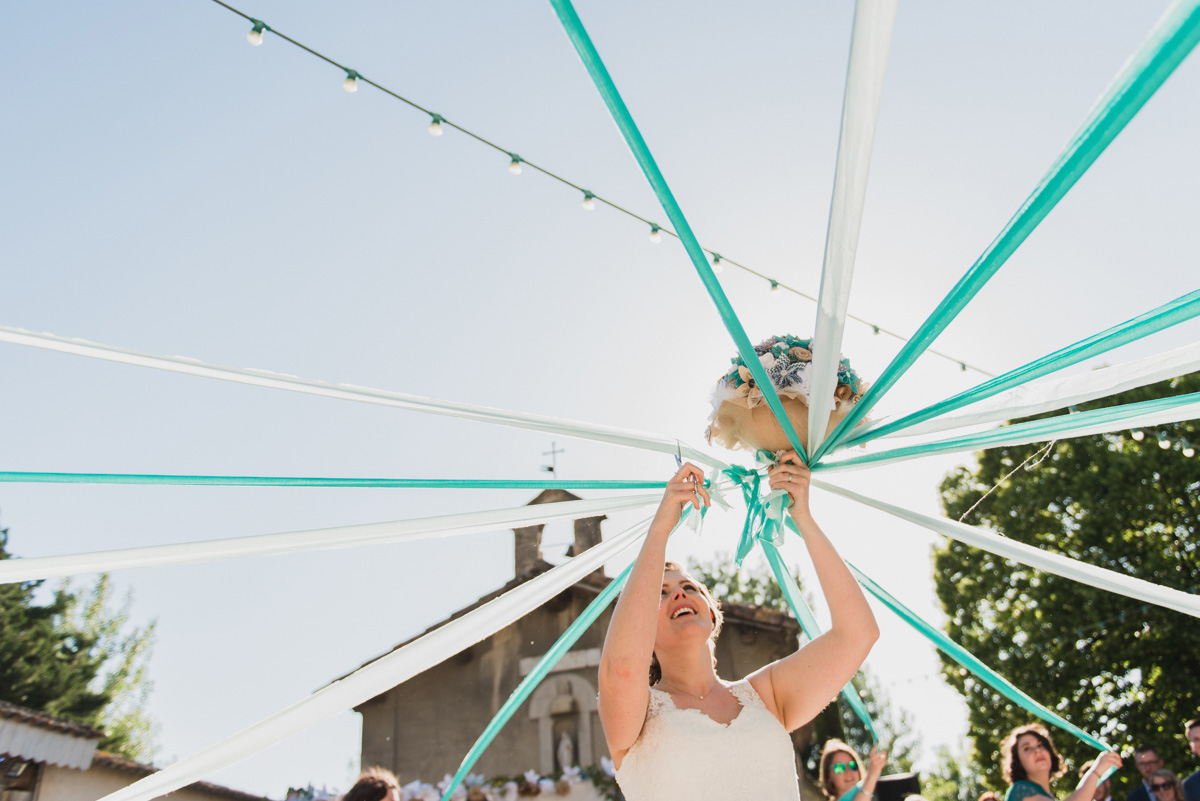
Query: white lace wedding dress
[683,753]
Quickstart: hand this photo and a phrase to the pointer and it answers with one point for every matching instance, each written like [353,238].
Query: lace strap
[660,700]
[745,693]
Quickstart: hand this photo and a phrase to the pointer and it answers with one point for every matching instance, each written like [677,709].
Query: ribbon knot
[764,511]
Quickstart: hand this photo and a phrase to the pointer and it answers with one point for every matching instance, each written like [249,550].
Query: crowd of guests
[1030,764]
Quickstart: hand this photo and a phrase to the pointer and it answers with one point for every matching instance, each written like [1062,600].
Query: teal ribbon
[541,669]
[633,138]
[808,624]
[1168,44]
[766,517]
[969,661]
[1040,430]
[1153,321]
[764,513]
[288,481]
[539,672]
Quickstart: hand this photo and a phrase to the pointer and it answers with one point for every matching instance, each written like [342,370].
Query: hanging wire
[1040,455]
[437,121]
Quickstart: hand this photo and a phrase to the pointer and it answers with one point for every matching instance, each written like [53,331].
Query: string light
[1163,441]
[514,166]
[1138,434]
[255,36]
[775,287]
[718,267]
[589,201]
[350,84]
[1187,448]
[655,233]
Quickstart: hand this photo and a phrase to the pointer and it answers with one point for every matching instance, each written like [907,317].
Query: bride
[674,728]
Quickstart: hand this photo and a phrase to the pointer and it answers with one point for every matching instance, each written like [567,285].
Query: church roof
[120,763]
[37,737]
[759,617]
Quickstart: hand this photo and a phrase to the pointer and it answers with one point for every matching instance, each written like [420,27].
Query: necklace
[707,692]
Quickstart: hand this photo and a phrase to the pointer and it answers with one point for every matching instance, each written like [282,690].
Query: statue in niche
[564,711]
[565,752]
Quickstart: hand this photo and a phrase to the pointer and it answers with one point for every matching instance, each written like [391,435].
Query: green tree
[754,584]
[952,780]
[76,658]
[124,652]
[1116,667]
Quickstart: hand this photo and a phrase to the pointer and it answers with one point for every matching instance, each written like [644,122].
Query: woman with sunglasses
[840,774]
[1031,763]
[1166,786]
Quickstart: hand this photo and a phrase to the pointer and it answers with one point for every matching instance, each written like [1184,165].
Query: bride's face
[683,610]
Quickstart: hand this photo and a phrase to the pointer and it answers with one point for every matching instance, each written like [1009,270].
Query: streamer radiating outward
[31,569]
[1168,44]
[637,145]
[1093,421]
[1165,316]
[869,45]
[416,403]
[1034,557]
[1050,395]
[382,674]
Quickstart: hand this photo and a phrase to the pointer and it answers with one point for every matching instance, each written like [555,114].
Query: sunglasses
[1156,786]
[842,767]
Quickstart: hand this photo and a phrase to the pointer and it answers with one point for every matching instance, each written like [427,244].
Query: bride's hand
[687,486]
[792,476]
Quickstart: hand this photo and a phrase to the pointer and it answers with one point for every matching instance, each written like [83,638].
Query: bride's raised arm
[629,644]
[799,686]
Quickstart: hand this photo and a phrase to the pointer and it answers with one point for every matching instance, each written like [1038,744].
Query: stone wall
[423,728]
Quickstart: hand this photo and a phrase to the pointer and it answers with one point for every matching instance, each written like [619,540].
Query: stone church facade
[421,729]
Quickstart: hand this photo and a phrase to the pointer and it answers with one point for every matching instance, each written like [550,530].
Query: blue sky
[168,188]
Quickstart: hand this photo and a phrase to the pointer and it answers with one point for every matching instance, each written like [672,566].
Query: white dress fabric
[683,753]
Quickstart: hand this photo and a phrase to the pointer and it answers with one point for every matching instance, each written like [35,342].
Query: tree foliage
[1123,670]
[952,779]
[76,658]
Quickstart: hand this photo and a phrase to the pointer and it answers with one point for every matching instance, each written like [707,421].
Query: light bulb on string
[655,233]
[589,201]
[351,82]
[774,287]
[1138,434]
[514,166]
[1187,448]
[718,267]
[435,127]
[1164,442]
[255,35]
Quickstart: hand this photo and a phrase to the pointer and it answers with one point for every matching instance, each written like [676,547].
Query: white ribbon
[381,675]
[43,567]
[1049,395]
[1064,566]
[1000,438]
[869,46]
[265,378]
